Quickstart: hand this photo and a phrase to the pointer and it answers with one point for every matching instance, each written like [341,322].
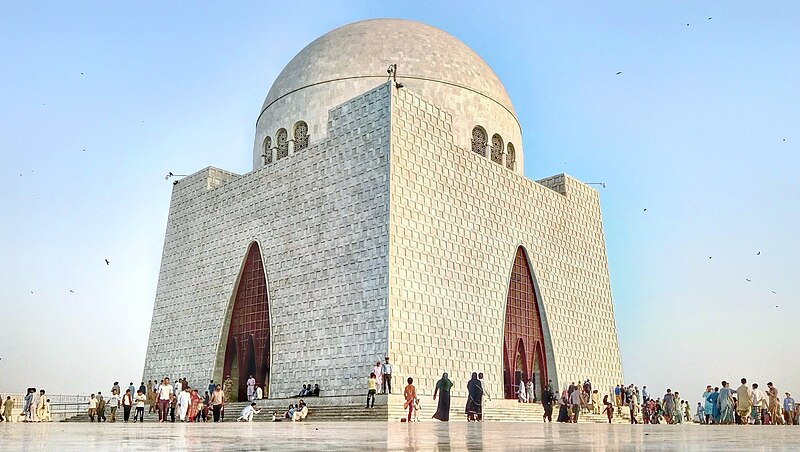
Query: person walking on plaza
[789,414]
[140,402]
[184,399]
[217,401]
[708,407]
[726,404]
[409,394]
[386,371]
[714,400]
[669,406]
[474,407]
[442,389]
[41,406]
[113,404]
[744,401]
[372,387]
[92,408]
[678,417]
[163,394]
[759,405]
[101,407]
[634,408]
[127,404]
[774,404]
[211,386]
[547,403]
[701,413]
[131,388]
[378,371]
[8,407]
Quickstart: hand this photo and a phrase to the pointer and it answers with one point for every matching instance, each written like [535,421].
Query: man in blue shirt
[789,409]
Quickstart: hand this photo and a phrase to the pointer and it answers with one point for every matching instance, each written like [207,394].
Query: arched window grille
[282,141]
[479,141]
[497,149]
[511,158]
[300,136]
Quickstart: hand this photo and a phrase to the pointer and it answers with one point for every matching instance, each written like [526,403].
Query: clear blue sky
[99,100]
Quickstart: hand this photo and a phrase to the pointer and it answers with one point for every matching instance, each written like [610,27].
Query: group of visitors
[747,404]
[36,407]
[308,391]
[383,376]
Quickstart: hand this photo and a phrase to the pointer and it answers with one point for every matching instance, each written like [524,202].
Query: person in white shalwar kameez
[184,399]
[521,392]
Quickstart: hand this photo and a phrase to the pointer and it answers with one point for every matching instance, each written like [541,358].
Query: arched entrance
[248,350]
[523,332]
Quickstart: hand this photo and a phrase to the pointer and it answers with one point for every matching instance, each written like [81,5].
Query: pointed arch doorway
[524,357]
[248,343]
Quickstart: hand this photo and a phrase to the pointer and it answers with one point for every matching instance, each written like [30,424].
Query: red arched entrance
[524,335]
[248,351]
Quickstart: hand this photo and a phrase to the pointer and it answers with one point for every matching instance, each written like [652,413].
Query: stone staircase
[387,407]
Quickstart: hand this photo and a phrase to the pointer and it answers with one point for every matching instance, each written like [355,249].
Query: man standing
[41,406]
[547,403]
[789,409]
[152,399]
[645,395]
[575,401]
[92,408]
[8,407]
[217,401]
[164,393]
[759,405]
[708,407]
[251,388]
[726,404]
[387,376]
[669,406]
[227,388]
[115,389]
[101,407]
[774,404]
[211,386]
[744,398]
[140,400]
[113,404]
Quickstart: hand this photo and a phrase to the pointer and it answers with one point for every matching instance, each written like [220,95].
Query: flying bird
[774,292]
[620,72]
[645,210]
[71,291]
[758,253]
[709,18]
[687,25]
[709,257]
[31,292]
[747,280]
[81,73]
[107,262]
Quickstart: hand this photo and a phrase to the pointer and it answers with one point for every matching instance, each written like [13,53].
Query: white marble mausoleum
[385,216]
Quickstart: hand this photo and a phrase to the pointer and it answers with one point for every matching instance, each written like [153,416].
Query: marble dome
[354,58]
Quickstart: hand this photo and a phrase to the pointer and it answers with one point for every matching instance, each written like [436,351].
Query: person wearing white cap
[789,413]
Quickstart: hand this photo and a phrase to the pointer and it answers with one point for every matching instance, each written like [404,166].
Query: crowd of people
[35,408]
[747,404]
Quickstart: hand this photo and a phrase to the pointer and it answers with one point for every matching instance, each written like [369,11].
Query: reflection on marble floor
[427,436]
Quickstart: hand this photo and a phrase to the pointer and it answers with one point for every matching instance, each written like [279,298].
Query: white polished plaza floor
[360,436]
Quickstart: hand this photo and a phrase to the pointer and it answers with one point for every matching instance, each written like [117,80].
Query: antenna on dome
[392,71]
